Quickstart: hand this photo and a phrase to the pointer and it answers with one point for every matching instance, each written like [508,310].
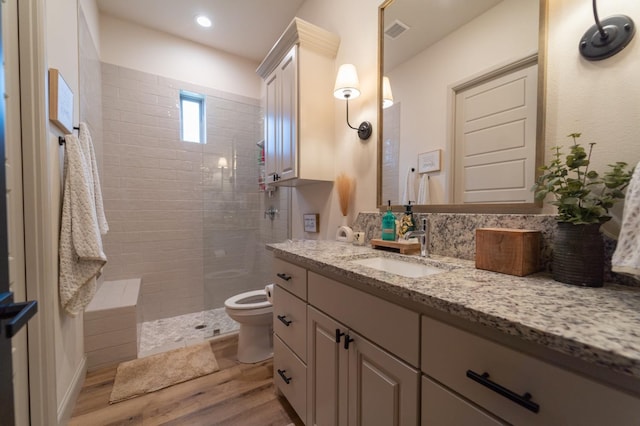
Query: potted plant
[583,198]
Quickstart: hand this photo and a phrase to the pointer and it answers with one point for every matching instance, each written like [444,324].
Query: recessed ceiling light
[203,21]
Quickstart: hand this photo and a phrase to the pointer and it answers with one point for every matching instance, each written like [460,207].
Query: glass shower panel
[235,228]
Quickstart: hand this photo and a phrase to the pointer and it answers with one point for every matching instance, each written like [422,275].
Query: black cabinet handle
[286,379]
[284,320]
[339,334]
[523,400]
[347,340]
[284,276]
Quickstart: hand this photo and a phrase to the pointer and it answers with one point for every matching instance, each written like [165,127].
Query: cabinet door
[289,115]
[382,389]
[271,126]
[442,407]
[326,371]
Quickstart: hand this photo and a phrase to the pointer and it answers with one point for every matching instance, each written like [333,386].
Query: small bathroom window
[192,127]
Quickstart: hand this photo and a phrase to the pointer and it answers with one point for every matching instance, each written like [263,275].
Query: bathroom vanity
[358,344]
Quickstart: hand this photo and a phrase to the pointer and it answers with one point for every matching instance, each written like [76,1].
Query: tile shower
[194,232]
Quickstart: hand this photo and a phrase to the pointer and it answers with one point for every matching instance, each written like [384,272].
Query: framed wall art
[429,161]
[60,102]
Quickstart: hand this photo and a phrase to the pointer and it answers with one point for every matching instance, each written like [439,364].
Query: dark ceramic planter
[578,255]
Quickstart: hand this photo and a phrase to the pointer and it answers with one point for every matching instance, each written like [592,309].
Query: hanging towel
[83,223]
[626,258]
[424,197]
[409,190]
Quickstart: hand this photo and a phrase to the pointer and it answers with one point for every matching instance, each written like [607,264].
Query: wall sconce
[387,95]
[347,87]
[605,39]
[222,163]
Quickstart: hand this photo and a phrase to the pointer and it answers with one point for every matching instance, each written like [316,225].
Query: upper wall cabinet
[298,74]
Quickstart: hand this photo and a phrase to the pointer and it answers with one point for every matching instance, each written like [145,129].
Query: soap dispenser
[407,223]
[388,225]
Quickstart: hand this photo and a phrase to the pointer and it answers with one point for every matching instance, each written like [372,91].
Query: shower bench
[112,323]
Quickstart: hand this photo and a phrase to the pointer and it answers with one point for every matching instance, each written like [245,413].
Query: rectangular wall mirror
[467,80]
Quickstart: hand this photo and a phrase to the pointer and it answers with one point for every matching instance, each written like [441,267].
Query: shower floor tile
[183,330]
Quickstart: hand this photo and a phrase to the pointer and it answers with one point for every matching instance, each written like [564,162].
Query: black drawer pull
[284,276]
[339,334]
[286,379]
[284,320]
[347,340]
[523,400]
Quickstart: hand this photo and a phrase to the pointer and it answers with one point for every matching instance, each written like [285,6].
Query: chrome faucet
[423,237]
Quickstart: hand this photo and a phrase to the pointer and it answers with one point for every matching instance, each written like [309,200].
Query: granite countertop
[598,325]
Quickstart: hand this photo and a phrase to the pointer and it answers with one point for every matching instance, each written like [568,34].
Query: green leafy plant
[582,196]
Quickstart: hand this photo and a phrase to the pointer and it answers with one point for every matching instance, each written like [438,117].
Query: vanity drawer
[443,407]
[290,321]
[390,326]
[451,356]
[290,277]
[290,376]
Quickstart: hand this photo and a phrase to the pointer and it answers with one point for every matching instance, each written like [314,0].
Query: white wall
[62,53]
[600,99]
[356,22]
[161,54]
[92,15]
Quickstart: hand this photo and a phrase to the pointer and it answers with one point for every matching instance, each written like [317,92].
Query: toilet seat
[254,299]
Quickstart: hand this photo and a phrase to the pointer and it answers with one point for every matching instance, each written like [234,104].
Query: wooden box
[509,251]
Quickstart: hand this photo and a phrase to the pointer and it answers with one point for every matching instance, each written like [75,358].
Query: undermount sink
[399,267]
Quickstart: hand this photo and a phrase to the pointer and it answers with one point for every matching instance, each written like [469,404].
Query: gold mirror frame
[506,208]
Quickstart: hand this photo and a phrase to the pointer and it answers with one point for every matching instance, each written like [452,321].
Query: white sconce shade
[347,83]
[387,96]
[222,163]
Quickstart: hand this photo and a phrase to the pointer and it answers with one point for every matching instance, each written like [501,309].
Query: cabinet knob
[286,379]
[284,320]
[339,334]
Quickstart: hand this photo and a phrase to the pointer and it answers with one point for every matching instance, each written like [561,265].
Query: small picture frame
[311,222]
[429,161]
[60,102]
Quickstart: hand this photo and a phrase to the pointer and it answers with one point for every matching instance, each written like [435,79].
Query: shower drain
[200,326]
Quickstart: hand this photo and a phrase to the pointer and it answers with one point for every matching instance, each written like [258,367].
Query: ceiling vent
[396,29]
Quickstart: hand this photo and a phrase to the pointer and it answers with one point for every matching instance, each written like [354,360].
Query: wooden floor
[237,394]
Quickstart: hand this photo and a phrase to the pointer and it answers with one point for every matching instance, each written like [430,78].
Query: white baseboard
[68,403]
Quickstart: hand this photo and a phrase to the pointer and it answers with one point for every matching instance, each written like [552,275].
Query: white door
[15,234]
[289,109]
[383,390]
[495,139]
[326,370]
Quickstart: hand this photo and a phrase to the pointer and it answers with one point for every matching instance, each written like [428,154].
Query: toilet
[255,314]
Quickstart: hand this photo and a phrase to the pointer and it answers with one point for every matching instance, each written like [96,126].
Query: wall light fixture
[348,87]
[387,95]
[607,37]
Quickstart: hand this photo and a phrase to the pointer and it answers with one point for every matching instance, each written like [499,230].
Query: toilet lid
[248,300]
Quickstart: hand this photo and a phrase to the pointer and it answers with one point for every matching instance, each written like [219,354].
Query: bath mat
[155,372]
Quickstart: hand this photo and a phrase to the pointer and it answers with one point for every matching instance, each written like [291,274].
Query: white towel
[409,190]
[81,256]
[424,197]
[626,258]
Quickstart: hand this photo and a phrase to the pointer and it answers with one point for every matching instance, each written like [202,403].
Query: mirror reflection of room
[465,85]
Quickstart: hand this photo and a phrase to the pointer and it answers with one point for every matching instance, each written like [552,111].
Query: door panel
[327,371]
[383,390]
[495,139]
[289,110]
[14,239]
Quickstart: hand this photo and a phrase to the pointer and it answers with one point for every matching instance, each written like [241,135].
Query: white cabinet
[516,387]
[290,330]
[351,379]
[299,74]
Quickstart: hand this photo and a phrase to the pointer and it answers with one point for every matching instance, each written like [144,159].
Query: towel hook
[61,140]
